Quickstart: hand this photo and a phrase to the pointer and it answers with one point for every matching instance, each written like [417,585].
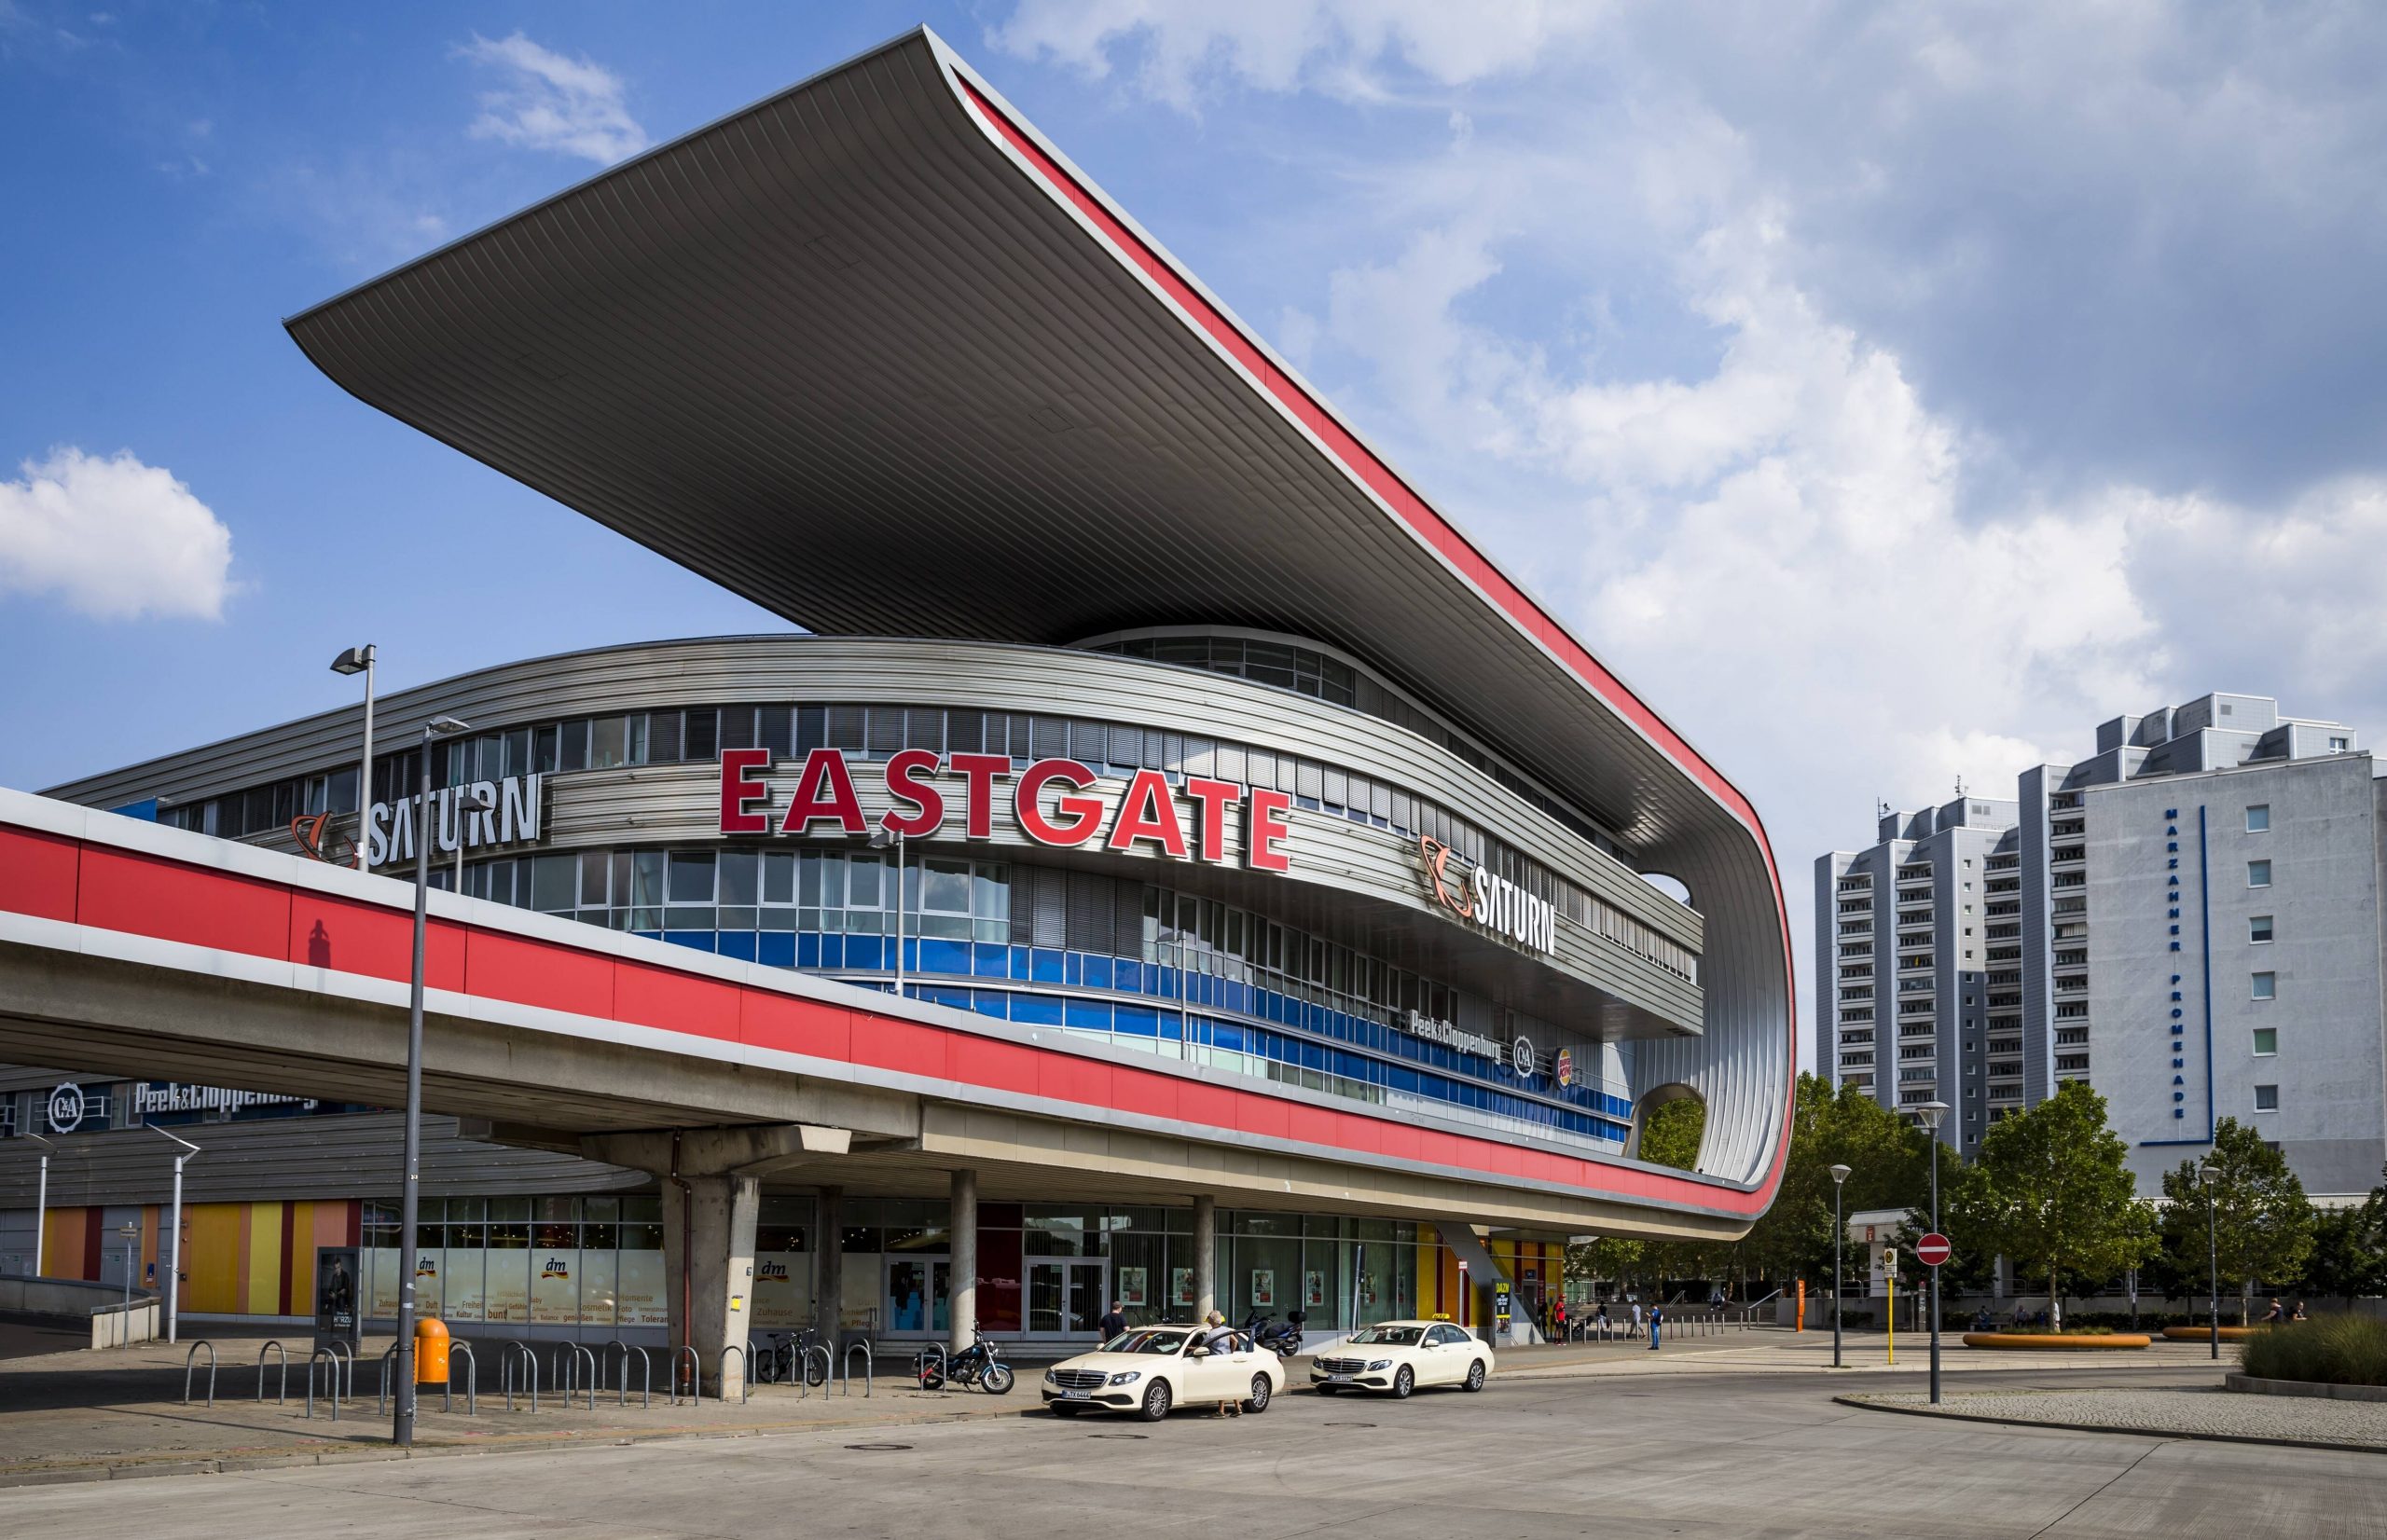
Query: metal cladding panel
[877,318]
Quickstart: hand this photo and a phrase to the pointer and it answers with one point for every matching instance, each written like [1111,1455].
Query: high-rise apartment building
[2189,919]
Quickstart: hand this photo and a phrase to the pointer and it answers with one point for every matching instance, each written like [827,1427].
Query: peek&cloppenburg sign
[1050,800]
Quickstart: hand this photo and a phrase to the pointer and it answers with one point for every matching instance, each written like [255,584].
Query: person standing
[1636,1319]
[1114,1324]
[1558,1321]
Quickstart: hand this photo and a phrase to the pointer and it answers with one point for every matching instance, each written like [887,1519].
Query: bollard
[281,1396]
[472,1378]
[203,1342]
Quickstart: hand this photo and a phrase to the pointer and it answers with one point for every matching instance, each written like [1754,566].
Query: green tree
[2348,1260]
[1670,1135]
[2261,1222]
[2050,1189]
[1886,1156]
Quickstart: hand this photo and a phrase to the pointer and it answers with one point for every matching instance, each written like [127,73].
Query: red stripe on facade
[177,902]
[1418,514]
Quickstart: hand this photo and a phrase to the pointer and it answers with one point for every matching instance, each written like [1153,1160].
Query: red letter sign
[825,791]
[1148,812]
[903,783]
[978,773]
[1080,815]
[1264,826]
[1215,797]
[739,785]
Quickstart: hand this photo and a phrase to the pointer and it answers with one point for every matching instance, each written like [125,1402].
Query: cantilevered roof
[872,353]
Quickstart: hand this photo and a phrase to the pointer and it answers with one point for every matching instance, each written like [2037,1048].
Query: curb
[1865,1404]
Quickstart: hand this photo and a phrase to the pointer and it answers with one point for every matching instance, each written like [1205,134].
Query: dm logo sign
[66,1109]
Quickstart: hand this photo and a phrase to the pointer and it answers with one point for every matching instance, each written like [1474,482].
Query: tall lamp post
[41,1199]
[359,660]
[1930,1113]
[881,838]
[1839,1234]
[402,1431]
[174,1241]
[2206,1178]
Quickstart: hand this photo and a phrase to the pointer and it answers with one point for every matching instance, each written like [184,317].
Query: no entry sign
[1933,1249]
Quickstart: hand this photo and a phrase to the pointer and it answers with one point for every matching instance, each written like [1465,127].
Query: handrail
[944,1366]
[645,1372]
[203,1342]
[745,1380]
[869,1367]
[511,1350]
[323,1349]
[472,1379]
[282,1396]
[828,1367]
[695,1374]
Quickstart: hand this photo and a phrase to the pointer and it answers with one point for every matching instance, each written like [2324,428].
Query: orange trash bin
[430,1353]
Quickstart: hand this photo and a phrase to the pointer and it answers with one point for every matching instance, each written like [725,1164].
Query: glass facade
[1133,964]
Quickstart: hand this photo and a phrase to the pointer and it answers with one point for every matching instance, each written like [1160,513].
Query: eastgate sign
[1047,801]
[1486,900]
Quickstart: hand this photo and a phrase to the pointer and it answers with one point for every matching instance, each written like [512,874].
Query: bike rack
[804,1369]
[342,1354]
[323,1351]
[695,1374]
[943,1364]
[509,1352]
[472,1379]
[745,1379]
[203,1342]
[645,1372]
[282,1396]
[869,1362]
[569,1358]
[381,1396]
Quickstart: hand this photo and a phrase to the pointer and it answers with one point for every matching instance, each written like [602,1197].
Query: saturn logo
[1449,890]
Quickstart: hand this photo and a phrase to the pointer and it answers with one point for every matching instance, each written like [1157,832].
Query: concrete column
[1206,1255]
[963,1309]
[829,1267]
[709,1231]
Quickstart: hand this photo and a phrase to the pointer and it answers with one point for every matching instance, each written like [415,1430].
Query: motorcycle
[979,1365]
[1283,1338]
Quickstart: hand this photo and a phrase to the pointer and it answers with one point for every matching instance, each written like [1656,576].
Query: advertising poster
[506,1296]
[1263,1288]
[1181,1286]
[638,1290]
[1313,1289]
[1131,1285]
[336,1295]
[555,1293]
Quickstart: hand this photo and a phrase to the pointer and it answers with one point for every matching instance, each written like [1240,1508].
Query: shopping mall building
[1186,869]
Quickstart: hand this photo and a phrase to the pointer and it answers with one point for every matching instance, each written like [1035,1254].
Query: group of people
[2275,1315]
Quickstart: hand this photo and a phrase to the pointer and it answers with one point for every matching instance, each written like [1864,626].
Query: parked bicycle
[979,1365]
[782,1350]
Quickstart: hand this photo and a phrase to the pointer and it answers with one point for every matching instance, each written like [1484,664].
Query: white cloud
[113,538]
[571,106]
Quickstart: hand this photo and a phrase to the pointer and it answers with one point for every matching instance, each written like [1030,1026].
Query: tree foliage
[1670,1135]
[2261,1222]
[2050,1189]
[1887,1159]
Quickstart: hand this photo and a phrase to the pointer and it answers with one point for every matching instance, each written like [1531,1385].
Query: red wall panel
[37,873]
[144,896]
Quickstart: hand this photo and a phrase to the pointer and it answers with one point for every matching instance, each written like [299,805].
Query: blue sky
[1890,394]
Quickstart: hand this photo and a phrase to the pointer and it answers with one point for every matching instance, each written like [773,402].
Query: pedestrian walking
[1637,1320]
[2273,1317]
[1114,1324]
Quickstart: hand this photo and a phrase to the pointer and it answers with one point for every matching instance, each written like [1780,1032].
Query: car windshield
[1390,1337]
[1157,1342]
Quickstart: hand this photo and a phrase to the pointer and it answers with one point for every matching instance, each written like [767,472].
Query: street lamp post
[402,1430]
[41,1199]
[1839,1234]
[2206,1177]
[1931,1112]
[359,660]
[174,1242]
[881,838]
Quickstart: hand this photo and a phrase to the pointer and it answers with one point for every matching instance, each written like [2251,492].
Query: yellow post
[1890,1276]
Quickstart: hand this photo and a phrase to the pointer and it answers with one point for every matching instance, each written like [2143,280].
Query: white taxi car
[1150,1371]
[1396,1357]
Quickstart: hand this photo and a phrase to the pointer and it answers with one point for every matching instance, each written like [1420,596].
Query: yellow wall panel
[213,1260]
[263,1276]
[297,1269]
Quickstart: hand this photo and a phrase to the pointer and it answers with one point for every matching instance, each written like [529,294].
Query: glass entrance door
[918,1295]
[1065,1297]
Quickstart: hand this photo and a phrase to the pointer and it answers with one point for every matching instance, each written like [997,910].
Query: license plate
[1338,1379]
[1077,1396]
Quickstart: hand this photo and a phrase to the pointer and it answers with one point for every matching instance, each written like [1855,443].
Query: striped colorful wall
[238,1259]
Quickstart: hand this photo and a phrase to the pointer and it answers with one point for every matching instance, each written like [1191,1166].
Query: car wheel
[1062,1408]
[997,1380]
[1261,1391]
[1156,1400]
[1475,1375]
[1403,1381]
